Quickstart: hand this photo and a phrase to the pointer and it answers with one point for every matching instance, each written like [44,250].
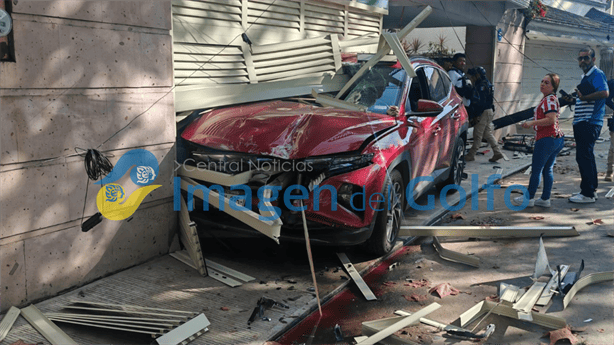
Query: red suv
[365,159]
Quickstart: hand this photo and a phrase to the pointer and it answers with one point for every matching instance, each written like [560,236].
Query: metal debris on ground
[338,333]
[490,329]
[364,288]
[7,322]
[262,305]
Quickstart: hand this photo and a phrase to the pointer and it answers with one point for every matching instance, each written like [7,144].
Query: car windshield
[378,89]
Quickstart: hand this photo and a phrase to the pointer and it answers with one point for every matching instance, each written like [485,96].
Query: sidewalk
[282,273]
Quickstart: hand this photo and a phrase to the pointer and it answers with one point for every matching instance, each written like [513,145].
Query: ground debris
[418,283]
[414,297]
[488,221]
[389,283]
[536,217]
[494,298]
[225,308]
[595,222]
[563,333]
[444,289]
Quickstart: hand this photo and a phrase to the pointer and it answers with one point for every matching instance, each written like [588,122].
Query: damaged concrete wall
[83,71]
[508,66]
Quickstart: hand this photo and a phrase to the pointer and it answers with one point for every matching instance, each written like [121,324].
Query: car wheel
[457,166]
[388,222]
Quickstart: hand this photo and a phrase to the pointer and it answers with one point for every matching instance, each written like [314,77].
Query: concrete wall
[83,70]
[508,59]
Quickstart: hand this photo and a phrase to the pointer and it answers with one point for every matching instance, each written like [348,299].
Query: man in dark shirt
[610,170]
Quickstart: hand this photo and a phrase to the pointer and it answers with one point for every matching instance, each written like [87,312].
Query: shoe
[579,193]
[469,157]
[608,176]
[581,199]
[517,201]
[496,157]
[542,203]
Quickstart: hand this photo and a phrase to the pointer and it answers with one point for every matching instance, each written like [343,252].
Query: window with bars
[7,48]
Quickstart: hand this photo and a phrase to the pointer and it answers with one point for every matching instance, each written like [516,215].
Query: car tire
[388,221]
[457,166]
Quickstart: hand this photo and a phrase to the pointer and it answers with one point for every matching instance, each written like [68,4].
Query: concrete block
[34,198]
[8,133]
[507,53]
[39,57]
[507,72]
[69,9]
[13,275]
[112,58]
[151,14]
[76,173]
[69,258]
[51,126]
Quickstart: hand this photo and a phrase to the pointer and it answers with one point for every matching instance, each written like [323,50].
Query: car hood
[287,130]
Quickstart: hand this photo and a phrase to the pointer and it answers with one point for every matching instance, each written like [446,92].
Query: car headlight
[339,165]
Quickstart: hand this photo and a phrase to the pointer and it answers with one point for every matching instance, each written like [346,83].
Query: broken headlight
[338,165]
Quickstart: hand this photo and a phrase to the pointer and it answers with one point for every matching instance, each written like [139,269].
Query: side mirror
[427,107]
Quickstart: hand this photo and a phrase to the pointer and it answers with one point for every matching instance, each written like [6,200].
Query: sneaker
[542,203]
[517,201]
[581,199]
[496,157]
[579,193]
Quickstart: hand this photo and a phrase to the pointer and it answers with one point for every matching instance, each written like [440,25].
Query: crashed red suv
[367,158]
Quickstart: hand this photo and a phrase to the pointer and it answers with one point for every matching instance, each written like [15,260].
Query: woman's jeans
[544,157]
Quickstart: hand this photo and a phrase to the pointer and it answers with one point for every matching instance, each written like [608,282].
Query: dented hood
[287,130]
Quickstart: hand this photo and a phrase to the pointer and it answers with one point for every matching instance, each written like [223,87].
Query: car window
[378,89]
[415,93]
[435,83]
[445,78]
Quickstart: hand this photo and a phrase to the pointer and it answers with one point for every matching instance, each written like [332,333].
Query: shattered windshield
[378,89]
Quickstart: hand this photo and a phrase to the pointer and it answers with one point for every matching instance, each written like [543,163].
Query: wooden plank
[330,23]
[44,326]
[273,22]
[267,77]
[131,307]
[298,67]
[186,56]
[123,312]
[180,12]
[334,41]
[326,29]
[206,66]
[174,321]
[547,294]
[364,288]
[269,228]
[408,320]
[290,60]
[276,9]
[197,26]
[363,17]
[229,271]
[526,303]
[189,237]
[184,331]
[436,324]
[249,63]
[483,307]
[509,294]
[210,81]
[190,97]
[236,3]
[205,6]
[395,45]
[320,16]
[295,18]
[274,48]
[288,4]
[450,255]
[145,327]
[584,282]
[292,53]
[7,321]
[324,9]
[352,31]
[212,51]
[180,73]
[223,278]
[487,231]
[91,324]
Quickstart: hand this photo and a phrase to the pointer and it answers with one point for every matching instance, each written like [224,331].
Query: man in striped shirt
[588,120]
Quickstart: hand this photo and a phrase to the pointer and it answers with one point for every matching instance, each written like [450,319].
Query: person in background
[458,78]
[481,111]
[610,169]
[549,142]
[447,64]
[588,120]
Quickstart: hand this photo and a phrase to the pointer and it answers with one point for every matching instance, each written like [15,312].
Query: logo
[111,200]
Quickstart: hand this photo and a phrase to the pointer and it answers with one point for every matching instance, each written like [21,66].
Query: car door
[444,124]
[422,146]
